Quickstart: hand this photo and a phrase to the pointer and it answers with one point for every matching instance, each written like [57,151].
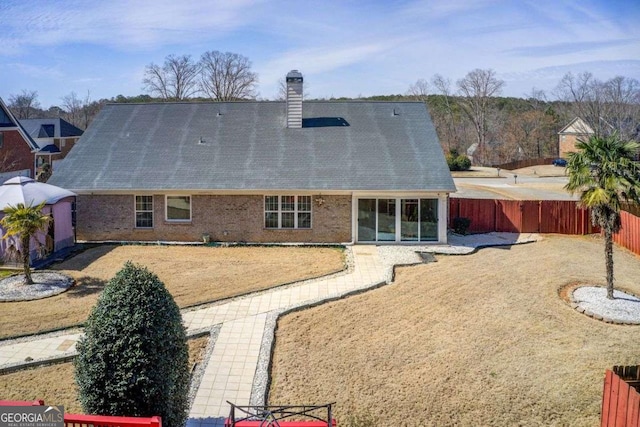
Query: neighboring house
[55,137]
[576,130]
[17,148]
[316,172]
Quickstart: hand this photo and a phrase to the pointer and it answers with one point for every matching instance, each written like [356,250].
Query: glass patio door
[386,220]
[409,220]
[397,220]
[367,220]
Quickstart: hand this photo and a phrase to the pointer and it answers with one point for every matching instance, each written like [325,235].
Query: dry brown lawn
[472,340]
[55,383]
[193,275]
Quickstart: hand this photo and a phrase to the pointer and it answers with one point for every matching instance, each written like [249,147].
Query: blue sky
[342,47]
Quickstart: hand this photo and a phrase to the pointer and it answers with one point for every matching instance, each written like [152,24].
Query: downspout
[75,224]
[35,164]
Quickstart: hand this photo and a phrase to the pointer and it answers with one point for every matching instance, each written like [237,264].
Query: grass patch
[7,273]
[55,383]
[192,275]
[483,339]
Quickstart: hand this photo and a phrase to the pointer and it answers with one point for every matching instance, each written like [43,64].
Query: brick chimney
[294,99]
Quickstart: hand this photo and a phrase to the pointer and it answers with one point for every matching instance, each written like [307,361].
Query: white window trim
[295,212]
[135,212]
[166,209]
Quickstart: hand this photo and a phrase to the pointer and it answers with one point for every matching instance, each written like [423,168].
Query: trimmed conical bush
[133,359]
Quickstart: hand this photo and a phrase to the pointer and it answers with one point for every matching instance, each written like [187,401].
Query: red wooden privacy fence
[539,216]
[629,234]
[620,402]
[522,216]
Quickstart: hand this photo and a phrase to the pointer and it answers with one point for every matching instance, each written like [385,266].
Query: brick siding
[65,145]
[567,143]
[224,218]
[15,153]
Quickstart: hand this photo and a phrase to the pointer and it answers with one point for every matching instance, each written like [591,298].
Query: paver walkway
[231,368]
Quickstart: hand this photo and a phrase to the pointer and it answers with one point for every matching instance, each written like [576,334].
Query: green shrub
[133,359]
[457,162]
[461,225]
[463,163]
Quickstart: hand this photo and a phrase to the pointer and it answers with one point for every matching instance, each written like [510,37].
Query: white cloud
[120,23]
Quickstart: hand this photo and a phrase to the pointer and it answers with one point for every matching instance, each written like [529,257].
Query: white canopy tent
[28,191]
[58,204]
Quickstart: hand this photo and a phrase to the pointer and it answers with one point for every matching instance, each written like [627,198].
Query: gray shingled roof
[246,146]
[50,128]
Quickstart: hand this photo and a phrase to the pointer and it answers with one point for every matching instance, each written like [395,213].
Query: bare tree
[79,112]
[419,90]
[622,105]
[72,106]
[282,90]
[533,132]
[176,79]
[452,129]
[607,106]
[89,110]
[24,104]
[475,91]
[227,76]
[7,160]
[537,99]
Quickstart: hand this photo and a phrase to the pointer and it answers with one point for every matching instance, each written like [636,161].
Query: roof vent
[294,99]
[396,112]
[201,141]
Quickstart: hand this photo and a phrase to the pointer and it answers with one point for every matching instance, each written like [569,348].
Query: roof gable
[50,128]
[247,146]
[8,120]
[577,126]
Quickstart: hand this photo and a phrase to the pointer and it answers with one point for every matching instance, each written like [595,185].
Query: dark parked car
[559,162]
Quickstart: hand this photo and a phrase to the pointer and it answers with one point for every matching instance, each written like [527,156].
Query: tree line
[470,115]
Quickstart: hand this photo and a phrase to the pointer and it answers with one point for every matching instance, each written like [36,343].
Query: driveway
[523,184]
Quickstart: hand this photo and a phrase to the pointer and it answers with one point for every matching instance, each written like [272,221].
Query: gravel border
[392,256]
[198,372]
[46,284]
[261,378]
[592,301]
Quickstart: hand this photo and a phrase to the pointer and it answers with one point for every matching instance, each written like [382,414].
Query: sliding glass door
[386,220]
[397,220]
[367,220]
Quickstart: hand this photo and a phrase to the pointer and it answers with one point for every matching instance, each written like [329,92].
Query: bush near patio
[55,383]
[133,360]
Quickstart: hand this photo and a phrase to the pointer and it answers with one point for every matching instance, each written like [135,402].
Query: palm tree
[604,172]
[24,221]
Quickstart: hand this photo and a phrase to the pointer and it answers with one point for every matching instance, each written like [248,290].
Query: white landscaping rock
[624,308]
